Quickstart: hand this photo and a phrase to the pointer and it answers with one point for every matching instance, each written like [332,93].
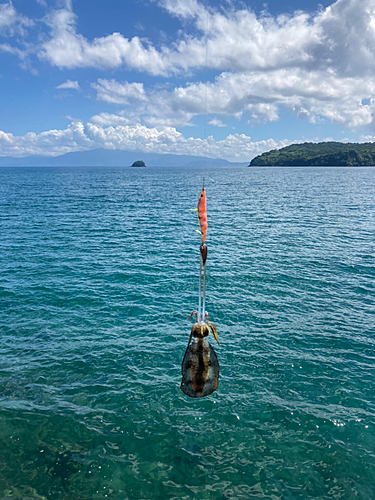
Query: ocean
[99,273]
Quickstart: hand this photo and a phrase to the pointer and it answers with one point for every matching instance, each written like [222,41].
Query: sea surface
[99,273]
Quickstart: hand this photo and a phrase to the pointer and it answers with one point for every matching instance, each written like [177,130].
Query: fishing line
[200,289]
[206,84]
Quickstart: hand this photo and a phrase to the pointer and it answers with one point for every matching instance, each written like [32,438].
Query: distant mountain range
[319,154]
[115,158]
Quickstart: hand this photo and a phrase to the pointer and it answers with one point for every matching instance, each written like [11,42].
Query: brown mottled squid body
[200,367]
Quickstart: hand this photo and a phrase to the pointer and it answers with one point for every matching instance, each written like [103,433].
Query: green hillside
[319,154]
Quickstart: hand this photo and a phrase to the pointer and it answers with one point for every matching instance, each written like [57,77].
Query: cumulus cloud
[49,143]
[216,123]
[340,37]
[68,49]
[233,40]
[79,137]
[179,106]
[118,93]
[255,95]
[69,84]
[348,37]
[318,66]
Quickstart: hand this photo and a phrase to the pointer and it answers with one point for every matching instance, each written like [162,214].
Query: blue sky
[227,79]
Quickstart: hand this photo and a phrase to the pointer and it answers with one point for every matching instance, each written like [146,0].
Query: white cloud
[184,9]
[367,138]
[233,40]
[341,37]
[318,66]
[315,65]
[348,37]
[23,56]
[106,119]
[256,95]
[216,123]
[117,93]
[69,84]
[5,138]
[68,49]
[5,47]
[11,22]
[80,137]
[52,142]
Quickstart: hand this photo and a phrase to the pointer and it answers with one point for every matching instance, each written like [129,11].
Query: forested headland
[319,154]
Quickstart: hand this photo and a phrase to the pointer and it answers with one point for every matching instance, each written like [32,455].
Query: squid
[200,366]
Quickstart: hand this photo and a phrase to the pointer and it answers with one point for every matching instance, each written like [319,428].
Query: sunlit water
[99,272]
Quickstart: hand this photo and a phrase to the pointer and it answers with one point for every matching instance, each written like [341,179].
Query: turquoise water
[99,271]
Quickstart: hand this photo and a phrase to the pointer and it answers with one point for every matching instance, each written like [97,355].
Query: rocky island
[319,154]
[139,163]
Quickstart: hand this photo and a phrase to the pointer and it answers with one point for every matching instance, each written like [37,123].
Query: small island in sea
[319,154]
[139,163]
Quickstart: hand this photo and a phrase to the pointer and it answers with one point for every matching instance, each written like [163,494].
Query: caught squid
[200,367]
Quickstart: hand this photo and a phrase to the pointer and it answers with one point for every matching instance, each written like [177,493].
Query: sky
[228,79]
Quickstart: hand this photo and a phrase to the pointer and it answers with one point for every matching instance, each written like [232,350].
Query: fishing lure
[200,367]
[202,214]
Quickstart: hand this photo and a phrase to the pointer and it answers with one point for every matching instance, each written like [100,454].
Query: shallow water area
[99,273]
